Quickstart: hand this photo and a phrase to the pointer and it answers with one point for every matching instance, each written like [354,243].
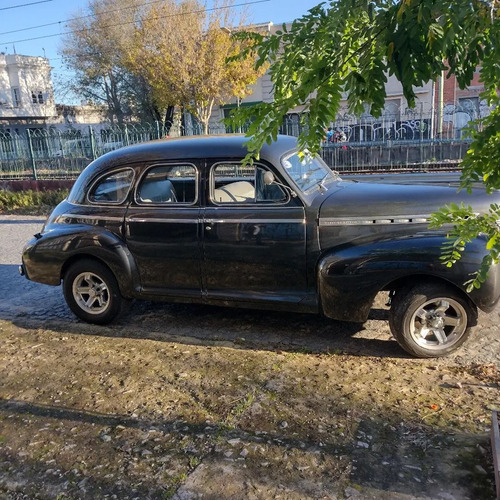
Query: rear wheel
[431,320]
[91,292]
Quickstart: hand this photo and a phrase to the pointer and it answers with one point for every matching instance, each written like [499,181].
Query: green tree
[182,51]
[94,51]
[350,46]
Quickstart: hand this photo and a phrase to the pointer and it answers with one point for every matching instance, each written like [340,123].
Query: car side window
[112,188]
[235,183]
[168,184]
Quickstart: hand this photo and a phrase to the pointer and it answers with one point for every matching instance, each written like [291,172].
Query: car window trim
[168,204]
[108,174]
[260,204]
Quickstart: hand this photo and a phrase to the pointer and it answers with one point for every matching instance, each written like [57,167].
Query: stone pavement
[22,300]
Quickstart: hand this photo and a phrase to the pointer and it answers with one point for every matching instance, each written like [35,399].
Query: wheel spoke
[452,320]
[424,332]
[90,302]
[421,313]
[440,335]
[89,279]
[443,306]
[83,290]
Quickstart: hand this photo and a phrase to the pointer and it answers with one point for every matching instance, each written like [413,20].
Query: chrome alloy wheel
[438,323]
[91,293]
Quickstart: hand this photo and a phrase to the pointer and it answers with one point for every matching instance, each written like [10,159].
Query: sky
[46,41]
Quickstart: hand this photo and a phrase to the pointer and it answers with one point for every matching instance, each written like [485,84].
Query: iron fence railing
[369,145]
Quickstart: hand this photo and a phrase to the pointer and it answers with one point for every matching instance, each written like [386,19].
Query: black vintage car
[185,220]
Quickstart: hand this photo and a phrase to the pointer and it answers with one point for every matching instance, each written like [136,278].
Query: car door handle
[208,227]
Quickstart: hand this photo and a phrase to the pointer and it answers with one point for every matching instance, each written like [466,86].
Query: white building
[26,93]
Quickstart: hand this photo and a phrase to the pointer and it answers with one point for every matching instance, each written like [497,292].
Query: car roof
[194,147]
[184,148]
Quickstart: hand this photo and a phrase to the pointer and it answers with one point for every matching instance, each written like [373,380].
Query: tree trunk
[204,113]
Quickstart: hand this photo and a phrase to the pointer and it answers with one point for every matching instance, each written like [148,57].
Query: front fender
[45,257]
[350,277]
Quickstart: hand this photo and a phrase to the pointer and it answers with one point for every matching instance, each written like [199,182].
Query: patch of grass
[175,483]
[30,200]
[241,407]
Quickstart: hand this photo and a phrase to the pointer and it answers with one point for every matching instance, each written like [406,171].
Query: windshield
[307,171]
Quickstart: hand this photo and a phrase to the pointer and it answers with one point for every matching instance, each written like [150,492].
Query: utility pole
[441,105]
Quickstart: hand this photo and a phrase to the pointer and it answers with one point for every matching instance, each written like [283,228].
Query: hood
[355,202]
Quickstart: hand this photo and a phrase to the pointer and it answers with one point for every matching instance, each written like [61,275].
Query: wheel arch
[126,279]
[403,283]
[431,318]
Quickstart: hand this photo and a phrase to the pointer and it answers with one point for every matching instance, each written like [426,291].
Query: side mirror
[268,178]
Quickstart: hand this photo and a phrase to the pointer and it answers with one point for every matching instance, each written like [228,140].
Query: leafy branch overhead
[348,47]
[467,226]
[345,49]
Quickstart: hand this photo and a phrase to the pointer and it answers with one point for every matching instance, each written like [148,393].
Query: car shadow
[238,328]
[32,305]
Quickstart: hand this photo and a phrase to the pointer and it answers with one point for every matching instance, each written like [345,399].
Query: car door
[106,201]
[162,230]
[254,237]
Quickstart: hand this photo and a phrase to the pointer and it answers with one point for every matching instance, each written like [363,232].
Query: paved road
[22,301]
[20,297]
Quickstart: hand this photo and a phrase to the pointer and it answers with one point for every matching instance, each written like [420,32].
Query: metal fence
[390,143]
[49,153]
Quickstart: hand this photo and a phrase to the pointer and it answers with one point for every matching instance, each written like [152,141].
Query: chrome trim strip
[367,221]
[165,220]
[255,221]
[217,221]
[92,217]
[103,175]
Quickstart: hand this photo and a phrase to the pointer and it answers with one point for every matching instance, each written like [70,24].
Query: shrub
[31,200]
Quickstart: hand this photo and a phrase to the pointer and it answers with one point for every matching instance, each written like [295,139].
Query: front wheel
[91,292]
[431,320]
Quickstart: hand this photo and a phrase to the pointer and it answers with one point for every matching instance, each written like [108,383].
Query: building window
[37,97]
[16,97]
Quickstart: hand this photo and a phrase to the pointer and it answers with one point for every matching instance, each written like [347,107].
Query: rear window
[112,188]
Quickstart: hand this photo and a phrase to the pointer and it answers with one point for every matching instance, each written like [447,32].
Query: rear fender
[47,258]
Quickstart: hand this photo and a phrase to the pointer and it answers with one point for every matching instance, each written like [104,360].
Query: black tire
[91,292]
[431,320]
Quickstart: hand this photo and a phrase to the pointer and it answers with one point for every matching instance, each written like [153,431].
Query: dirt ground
[188,402]
[120,412]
